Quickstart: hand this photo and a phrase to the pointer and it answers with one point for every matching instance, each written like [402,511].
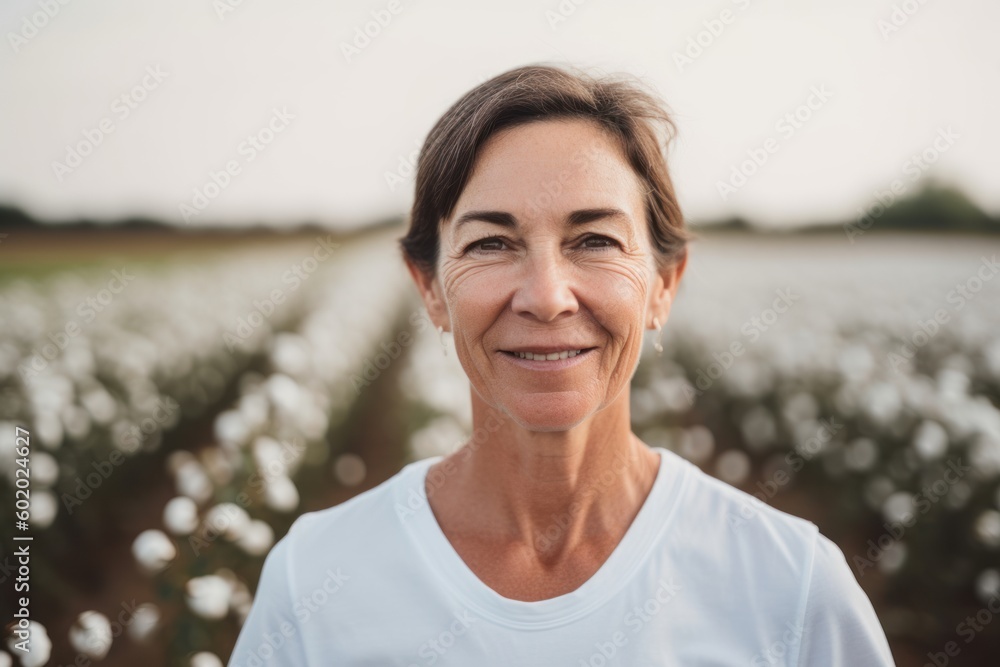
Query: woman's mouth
[548,360]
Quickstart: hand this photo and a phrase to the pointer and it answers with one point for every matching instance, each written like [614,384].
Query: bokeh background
[206,328]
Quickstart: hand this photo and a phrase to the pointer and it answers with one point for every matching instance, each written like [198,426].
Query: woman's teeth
[551,356]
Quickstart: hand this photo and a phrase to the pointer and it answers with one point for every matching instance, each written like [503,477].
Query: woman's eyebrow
[504,219]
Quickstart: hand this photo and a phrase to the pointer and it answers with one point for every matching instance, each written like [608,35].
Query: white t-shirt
[705,576]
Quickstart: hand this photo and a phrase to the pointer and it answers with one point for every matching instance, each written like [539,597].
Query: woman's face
[548,250]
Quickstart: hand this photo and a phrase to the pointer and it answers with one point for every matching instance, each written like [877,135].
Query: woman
[546,237]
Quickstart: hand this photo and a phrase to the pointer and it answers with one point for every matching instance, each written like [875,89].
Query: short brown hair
[540,92]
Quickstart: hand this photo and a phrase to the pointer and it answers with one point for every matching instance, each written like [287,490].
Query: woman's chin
[549,412]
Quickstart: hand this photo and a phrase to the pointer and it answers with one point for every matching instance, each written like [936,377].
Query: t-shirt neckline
[652,519]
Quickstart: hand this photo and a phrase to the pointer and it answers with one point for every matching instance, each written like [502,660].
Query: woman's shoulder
[726,519]
[370,516]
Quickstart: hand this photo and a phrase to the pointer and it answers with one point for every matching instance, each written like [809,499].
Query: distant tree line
[935,207]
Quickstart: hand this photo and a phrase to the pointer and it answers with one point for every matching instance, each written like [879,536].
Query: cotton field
[206,403]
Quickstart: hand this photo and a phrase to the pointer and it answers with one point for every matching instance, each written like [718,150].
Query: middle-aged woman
[546,237]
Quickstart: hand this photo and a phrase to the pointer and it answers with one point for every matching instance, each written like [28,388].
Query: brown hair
[540,92]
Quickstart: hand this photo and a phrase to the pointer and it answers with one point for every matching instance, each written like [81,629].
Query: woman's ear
[431,294]
[667,283]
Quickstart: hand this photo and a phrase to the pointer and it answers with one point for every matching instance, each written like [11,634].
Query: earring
[659,332]
[444,348]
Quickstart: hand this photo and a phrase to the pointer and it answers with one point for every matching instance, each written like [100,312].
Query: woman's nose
[545,287]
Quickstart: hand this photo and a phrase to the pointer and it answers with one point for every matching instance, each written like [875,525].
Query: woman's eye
[487,244]
[603,242]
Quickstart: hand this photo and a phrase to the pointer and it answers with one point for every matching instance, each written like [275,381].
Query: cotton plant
[235,496]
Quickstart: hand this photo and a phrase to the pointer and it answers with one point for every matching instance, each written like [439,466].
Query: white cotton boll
[6,660]
[898,507]
[76,421]
[241,601]
[987,528]
[349,469]
[208,596]
[860,454]
[892,558]
[271,458]
[144,622]
[801,406]
[930,440]
[283,392]
[856,362]
[153,550]
[758,428]
[290,354]
[44,508]
[952,384]
[228,519]
[39,650]
[205,659]
[257,538]
[231,429]
[177,459]
[192,481]
[49,430]
[180,515]
[988,585]
[984,457]
[877,489]
[100,404]
[218,464]
[314,423]
[44,469]
[254,409]
[882,403]
[696,444]
[280,494]
[732,466]
[91,635]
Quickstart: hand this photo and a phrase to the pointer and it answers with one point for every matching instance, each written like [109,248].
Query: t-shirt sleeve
[271,636]
[840,627]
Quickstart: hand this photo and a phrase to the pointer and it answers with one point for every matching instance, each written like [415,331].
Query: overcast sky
[198,77]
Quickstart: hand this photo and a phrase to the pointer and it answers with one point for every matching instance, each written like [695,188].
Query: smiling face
[548,249]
